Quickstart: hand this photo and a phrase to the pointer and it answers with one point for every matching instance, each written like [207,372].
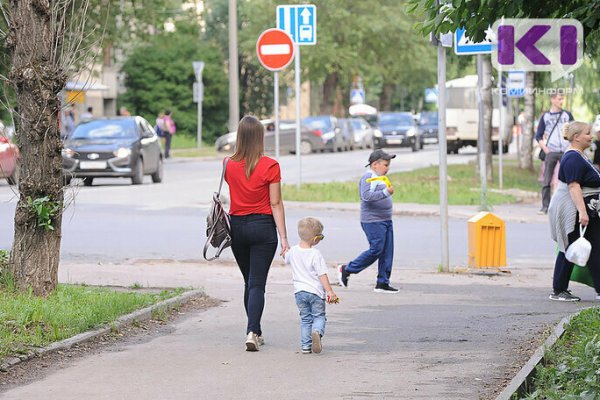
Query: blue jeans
[381,247]
[312,316]
[254,242]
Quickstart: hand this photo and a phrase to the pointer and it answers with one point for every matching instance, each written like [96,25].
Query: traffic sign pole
[276,99]
[298,158]
[500,127]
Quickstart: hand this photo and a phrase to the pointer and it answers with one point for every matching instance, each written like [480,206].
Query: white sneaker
[252,342]
[260,340]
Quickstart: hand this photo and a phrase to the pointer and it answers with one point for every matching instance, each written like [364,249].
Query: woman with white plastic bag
[575,205]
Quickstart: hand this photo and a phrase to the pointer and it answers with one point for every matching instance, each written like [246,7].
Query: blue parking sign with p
[299,21]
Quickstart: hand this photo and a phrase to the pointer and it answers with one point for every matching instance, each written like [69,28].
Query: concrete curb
[140,315]
[522,379]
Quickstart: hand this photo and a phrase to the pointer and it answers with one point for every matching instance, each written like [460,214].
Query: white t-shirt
[307,266]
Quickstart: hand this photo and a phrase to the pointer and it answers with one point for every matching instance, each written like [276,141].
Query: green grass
[185,146]
[27,321]
[571,369]
[422,186]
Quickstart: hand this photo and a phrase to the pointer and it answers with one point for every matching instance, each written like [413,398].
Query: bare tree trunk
[329,93]
[37,77]
[487,116]
[385,98]
[525,159]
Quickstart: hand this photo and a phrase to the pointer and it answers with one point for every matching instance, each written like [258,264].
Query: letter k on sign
[554,45]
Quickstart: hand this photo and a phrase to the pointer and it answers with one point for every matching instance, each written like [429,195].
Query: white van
[462,116]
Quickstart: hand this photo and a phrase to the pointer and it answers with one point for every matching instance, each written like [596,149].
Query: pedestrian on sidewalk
[576,201]
[171,128]
[376,221]
[311,284]
[550,139]
[257,214]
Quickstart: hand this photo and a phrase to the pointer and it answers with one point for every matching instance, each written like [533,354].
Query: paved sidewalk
[443,337]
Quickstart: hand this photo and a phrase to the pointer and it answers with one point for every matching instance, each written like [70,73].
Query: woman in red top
[257,215]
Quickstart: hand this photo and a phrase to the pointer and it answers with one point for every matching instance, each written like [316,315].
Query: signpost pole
[298,108]
[500,127]
[442,149]
[276,110]
[480,139]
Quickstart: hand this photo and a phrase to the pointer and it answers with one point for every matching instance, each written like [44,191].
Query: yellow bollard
[487,241]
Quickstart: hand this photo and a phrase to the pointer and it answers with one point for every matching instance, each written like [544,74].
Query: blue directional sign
[464,46]
[299,21]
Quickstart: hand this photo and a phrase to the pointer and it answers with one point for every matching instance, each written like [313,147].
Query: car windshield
[320,123]
[395,120]
[428,119]
[106,129]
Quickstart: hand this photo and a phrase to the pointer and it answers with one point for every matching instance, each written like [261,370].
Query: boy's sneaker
[316,342]
[306,350]
[385,288]
[252,342]
[260,340]
[565,295]
[343,275]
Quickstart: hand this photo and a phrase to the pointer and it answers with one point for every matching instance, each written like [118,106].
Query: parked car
[428,122]
[328,126]
[310,140]
[113,147]
[9,157]
[398,129]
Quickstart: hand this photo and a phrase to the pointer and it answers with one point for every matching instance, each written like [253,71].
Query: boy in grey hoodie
[376,221]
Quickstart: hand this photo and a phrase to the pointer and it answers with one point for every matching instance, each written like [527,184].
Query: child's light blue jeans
[312,316]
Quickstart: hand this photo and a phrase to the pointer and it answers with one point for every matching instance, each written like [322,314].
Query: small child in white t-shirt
[311,284]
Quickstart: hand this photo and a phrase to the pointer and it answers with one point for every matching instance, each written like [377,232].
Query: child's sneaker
[343,275]
[306,350]
[316,342]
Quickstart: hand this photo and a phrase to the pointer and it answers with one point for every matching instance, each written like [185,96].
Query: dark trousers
[563,268]
[550,163]
[168,138]
[254,242]
[381,247]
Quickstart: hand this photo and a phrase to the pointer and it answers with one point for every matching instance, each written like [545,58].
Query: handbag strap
[225,160]
[556,123]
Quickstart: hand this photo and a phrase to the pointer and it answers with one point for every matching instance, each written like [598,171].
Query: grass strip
[422,186]
[571,368]
[27,321]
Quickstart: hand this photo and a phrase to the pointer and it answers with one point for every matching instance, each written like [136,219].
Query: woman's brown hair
[249,143]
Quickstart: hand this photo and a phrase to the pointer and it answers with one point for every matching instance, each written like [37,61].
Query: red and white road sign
[275,49]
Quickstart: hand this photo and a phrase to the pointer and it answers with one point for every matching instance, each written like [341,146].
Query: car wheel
[157,176]
[138,173]
[88,181]
[14,178]
[305,147]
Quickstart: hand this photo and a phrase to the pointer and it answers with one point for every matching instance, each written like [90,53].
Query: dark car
[310,140]
[398,129]
[329,129]
[113,147]
[428,122]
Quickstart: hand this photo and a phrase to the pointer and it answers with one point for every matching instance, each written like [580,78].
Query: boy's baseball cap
[379,155]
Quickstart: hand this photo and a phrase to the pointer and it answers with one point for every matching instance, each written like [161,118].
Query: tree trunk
[37,76]
[526,159]
[329,94]
[487,116]
[385,98]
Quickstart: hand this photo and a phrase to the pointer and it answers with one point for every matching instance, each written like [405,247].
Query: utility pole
[234,96]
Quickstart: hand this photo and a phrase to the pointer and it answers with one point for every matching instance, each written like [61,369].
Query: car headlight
[122,152]
[411,132]
[67,153]
[377,133]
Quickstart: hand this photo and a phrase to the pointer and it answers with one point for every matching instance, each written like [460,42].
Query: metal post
[500,127]
[276,110]
[298,108]
[234,107]
[480,140]
[199,132]
[442,149]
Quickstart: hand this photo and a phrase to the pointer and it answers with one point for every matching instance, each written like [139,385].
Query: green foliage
[45,211]
[160,76]
[570,370]
[27,321]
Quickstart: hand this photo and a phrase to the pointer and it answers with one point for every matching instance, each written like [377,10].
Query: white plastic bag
[579,251]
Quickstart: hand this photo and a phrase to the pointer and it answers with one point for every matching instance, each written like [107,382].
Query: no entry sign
[275,49]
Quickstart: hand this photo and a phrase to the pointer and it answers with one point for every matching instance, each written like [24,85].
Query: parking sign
[299,21]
